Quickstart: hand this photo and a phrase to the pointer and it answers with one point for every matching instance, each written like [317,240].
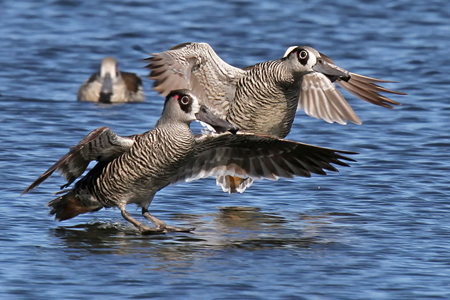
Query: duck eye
[303,54]
[185,100]
[303,57]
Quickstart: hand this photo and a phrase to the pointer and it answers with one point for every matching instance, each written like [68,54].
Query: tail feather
[69,206]
[233,184]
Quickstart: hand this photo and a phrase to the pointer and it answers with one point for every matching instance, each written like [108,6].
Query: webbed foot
[145,230]
[169,228]
[162,225]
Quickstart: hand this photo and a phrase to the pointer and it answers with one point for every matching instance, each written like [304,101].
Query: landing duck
[132,169]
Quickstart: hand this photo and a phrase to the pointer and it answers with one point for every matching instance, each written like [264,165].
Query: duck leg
[162,225]
[142,228]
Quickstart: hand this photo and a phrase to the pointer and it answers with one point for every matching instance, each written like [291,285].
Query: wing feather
[320,99]
[331,105]
[197,67]
[366,88]
[258,157]
[101,144]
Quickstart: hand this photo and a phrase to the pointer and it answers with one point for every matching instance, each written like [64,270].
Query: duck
[132,169]
[265,97]
[110,85]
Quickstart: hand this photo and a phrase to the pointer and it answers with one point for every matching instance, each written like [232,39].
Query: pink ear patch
[176,97]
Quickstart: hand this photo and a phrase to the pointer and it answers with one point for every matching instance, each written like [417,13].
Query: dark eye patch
[303,56]
[185,103]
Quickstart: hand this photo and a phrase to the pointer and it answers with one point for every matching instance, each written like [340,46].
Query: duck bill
[107,85]
[106,90]
[219,125]
[331,71]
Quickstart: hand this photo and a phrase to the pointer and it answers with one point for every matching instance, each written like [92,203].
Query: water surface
[377,230]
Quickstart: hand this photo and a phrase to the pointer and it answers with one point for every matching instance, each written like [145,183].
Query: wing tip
[25,191]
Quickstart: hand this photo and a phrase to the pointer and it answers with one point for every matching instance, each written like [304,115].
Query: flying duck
[264,98]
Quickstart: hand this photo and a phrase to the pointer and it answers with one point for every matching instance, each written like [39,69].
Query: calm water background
[377,230]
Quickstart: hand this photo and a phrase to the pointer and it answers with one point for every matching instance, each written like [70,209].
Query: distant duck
[264,98]
[111,85]
[132,169]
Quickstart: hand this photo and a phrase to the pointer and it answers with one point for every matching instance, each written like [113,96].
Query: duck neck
[167,123]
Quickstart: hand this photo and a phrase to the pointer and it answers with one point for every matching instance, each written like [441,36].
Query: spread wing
[366,88]
[101,144]
[320,99]
[197,67]
[258,157]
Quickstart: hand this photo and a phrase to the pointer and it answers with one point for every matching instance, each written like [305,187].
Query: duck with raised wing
[132,169]
[110,85]
[264,98]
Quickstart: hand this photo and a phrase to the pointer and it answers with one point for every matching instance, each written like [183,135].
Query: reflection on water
[380,227]
[245,228]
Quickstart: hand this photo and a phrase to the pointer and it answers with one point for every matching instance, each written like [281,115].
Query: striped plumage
[110,85]
[269,116]
[303,76]
[127,179]
[132,169]
[264,98]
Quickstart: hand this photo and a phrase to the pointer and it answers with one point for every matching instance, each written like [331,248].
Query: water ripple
[377,229]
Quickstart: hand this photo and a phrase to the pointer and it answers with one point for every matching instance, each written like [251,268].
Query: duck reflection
[248,218]
[230,228]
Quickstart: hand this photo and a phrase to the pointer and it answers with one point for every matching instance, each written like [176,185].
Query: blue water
[377,230]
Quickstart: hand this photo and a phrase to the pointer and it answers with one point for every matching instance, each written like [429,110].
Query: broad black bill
[219,125]
[106,90]
[107,85]
[333,72]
